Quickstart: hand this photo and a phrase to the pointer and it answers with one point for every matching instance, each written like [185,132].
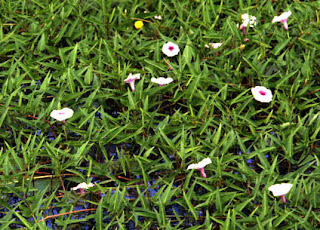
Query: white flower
[215,45]
[158,17]
[280,189]
[247,20]
[200,166]
[83,185]
[283,18]
[170,49]
[130,79]
[62,114]
[261,94]
[162,81]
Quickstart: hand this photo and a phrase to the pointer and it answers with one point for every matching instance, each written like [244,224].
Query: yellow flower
[138,24]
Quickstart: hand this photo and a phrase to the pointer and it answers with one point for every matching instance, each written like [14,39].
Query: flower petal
[62,114]
[262,94]
[170,49]
[280,189]
[162,81]
[201,164]
[283,17]
[83,185]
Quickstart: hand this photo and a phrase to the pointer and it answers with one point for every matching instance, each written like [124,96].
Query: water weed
[135,144]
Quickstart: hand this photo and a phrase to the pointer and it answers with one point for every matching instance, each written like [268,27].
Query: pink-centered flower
[200,166]
[130,79]
[62,114]
[247,20]
[162,81]
[262,94]
[280,190]
[283,18]
[170,49]
[83,186]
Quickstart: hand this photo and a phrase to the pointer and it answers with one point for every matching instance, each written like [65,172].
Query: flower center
[60,113]
[171,48]
[262,93]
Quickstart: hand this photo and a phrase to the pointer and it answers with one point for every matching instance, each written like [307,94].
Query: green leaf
[188,52]
[280,46]
[99,216]
[253,66]
[217,135]
[23,220]
[73,55]
[42,43]
[190,206]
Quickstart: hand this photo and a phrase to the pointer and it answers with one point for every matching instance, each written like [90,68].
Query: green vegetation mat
[137,146]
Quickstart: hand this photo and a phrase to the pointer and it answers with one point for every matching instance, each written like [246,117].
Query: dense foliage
[135,146]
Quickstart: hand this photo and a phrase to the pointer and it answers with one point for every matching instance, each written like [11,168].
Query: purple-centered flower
[83,186]
[262,94]
[280,190]
[170,49]
[62,114]
[200,166]
[130,79]
[283,18]
[162,81]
